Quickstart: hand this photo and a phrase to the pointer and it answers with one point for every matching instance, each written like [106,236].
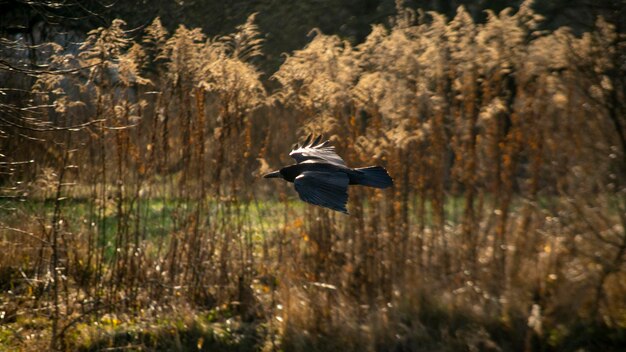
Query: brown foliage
[506,146]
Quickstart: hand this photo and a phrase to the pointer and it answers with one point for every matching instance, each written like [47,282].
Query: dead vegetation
[506,229]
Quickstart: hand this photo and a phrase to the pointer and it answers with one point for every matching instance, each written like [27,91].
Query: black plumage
[321,177]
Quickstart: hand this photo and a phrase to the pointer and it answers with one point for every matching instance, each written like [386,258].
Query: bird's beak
[273,174]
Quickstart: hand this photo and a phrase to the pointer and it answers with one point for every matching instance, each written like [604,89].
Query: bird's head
[273,174]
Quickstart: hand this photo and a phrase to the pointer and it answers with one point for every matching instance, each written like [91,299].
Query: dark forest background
[285,24]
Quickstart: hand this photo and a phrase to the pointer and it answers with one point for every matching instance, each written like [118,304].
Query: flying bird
[321,177]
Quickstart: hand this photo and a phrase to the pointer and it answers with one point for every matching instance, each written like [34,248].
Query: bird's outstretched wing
[316,151]
[326,189]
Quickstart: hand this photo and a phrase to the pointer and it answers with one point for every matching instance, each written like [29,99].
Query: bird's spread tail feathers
[374,176]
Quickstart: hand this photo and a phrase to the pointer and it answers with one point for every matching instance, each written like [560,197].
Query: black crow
[321,177]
